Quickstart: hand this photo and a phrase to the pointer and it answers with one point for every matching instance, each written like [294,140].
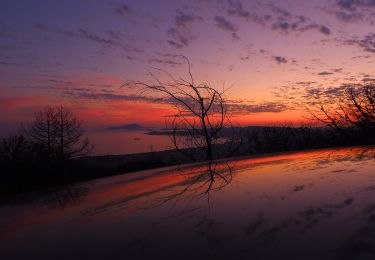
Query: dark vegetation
[44,153]
[51,150]
[352,116]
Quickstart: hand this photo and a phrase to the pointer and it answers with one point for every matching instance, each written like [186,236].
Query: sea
[127,142]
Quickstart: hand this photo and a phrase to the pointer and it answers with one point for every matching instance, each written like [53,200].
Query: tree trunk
[61,134]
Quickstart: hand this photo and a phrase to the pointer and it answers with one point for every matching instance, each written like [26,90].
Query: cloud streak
[280,59]
[354,10]
[234,107]
[180,34]
[366,43]
[222,23]
[109,38]
[122,10]
[266,107]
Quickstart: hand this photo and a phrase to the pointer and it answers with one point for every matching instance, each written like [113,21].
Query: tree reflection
[60,197]
[199,182]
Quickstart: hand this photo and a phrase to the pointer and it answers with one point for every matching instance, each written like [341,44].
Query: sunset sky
[274,55]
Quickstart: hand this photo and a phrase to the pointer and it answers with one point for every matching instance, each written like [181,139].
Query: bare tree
[69,129]
[353,115]
[42,131]
[200,116]
[14,148]
[58,133]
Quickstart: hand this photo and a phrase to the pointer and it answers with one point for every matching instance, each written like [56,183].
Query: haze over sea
[127,142]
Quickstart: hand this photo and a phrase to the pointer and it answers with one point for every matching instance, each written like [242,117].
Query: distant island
[132,127]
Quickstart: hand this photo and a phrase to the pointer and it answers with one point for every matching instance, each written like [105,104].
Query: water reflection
[127,142]
[60,197]
[310,205]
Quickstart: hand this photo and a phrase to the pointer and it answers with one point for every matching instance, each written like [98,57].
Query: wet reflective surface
[306,205]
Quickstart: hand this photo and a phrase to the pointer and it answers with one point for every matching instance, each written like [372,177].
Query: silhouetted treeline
[352,116]
[288,138]
[347,120]
[44,153]
[51,150]
[25,168]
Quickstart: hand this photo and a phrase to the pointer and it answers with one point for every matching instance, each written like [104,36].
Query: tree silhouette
[57,133]
[14,148]
[353,115]
[200,116]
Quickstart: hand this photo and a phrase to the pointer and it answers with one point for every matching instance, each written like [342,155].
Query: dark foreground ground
[306,205]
